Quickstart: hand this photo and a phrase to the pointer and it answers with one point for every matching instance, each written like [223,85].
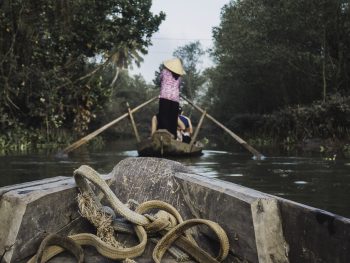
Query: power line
[182,39]
[160,52]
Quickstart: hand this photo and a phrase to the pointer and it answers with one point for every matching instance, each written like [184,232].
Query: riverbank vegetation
[54,60]
[281,71]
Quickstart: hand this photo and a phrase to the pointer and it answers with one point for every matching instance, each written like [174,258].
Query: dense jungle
[281,73]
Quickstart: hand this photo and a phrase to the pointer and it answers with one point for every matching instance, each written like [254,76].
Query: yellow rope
[166,222]
[101,220]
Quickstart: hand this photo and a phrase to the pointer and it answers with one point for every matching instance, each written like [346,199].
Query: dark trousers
[167,115]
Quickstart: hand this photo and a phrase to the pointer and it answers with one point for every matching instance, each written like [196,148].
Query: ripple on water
[234,175]
[129,153]
[33,162]
[68,162]
[211,174]
[205,171]
[300,182]
[211,152]
[286,163]
[279,194]
[207,163]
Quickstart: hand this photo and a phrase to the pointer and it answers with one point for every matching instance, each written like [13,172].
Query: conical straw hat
[175,66]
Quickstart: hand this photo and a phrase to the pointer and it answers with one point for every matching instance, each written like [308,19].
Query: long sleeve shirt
[169,87]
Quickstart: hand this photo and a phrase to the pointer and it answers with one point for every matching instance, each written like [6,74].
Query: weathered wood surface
[261,228]
[162,144]
[29,211]
[315,235]
[253,233]
[18,207]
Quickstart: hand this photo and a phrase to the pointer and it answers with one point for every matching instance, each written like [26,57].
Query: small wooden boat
[162,144]
[261,228]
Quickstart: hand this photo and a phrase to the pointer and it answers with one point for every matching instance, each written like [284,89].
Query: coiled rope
[167,224]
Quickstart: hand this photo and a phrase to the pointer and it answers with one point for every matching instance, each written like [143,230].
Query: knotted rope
[167,224]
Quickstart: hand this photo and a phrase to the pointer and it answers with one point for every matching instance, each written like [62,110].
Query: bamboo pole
[95,133]
[257,155]
[194,138]
[133,123]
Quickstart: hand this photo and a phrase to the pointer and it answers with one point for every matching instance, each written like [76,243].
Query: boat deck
[260,227]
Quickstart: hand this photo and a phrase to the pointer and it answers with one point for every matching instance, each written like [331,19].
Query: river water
[312,180]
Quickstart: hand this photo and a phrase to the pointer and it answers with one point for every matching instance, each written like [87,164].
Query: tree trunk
[115,76]
[324,65]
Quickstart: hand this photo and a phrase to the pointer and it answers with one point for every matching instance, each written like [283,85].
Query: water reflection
[310,180]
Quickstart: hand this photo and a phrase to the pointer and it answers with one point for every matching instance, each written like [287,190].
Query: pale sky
[186,21]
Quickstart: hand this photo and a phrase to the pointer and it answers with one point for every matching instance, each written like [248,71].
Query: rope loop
[66,242]
[199,254]
[167,225]
[156,225]
[85,173]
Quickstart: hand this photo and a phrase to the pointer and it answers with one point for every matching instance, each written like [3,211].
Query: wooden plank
[194,138]
[261,228]
[133,123]
[270,242]
[30,211]
[232,206]
[314,235]
[8,188]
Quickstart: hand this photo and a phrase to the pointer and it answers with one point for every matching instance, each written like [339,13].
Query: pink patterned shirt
[169,86]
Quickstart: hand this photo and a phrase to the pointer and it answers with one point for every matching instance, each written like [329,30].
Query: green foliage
[134,91]
[97,143]
[49,77]
[271,54]
[22,139]
[346,150]
[329,119]
[322,120]
[193,80]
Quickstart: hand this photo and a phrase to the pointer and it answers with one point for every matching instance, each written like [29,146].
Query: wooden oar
[93,134]
[257,155]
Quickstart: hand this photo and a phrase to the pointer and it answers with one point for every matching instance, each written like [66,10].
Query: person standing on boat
[187,132]
[170,79]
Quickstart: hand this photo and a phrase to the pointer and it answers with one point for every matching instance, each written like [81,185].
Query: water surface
[314,181]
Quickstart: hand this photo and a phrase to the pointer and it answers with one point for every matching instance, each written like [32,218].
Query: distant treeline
[274,58]
[49,78]
[282,68]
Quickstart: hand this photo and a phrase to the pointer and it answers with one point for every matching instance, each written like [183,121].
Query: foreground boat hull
[260,227]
